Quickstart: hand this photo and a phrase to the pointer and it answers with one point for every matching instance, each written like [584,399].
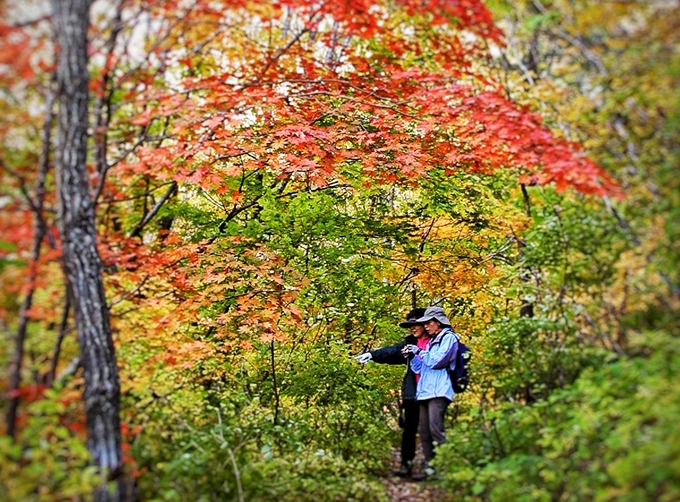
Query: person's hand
[364,358]
[410,349]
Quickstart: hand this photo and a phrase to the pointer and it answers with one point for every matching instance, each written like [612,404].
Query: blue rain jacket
[432,365]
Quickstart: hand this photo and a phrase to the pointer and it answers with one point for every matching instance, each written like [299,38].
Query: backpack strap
[452,363]
[438,339]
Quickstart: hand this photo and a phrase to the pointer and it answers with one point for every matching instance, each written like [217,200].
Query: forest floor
[408,490]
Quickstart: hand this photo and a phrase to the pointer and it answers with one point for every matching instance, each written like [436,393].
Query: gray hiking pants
[431,424]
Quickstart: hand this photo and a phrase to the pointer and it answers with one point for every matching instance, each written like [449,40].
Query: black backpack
[460,374]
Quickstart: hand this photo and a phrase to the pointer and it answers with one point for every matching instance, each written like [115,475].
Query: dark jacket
[393,355]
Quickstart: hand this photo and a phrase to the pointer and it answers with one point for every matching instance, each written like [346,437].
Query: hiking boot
[403,472]
[424,474]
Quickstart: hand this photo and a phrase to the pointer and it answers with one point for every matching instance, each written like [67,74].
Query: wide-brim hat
[412,318]
[434,313]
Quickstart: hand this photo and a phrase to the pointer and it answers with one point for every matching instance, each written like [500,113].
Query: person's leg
[426,441]
[408,437]
[436,412]
[425,434]
[432,423]
[410,408]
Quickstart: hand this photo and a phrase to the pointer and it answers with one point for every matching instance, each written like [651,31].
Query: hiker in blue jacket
[434,392]
[409,408]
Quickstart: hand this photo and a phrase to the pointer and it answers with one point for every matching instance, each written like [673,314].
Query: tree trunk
[81,261]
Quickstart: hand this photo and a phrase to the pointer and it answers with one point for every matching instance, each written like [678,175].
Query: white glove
[411,349]
[364,358]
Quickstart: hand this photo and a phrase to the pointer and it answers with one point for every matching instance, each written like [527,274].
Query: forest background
[240,196]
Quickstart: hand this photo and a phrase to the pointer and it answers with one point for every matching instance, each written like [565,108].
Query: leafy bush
[50,460]
[230,439]
[612,435]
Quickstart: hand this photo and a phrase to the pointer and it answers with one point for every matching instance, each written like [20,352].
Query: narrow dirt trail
[407,490]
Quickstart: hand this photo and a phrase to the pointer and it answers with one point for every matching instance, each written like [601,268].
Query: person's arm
[416,364]
[390,355]
[440,355]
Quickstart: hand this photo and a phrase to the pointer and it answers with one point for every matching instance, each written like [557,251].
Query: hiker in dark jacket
[409,407]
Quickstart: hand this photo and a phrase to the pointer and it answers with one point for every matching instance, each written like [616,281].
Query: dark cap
[412,318]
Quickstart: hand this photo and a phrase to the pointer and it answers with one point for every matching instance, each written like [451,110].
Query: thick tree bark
[81,261]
